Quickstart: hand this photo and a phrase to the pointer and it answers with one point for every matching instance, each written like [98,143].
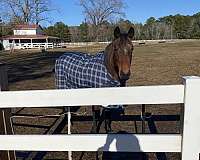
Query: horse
[109,68]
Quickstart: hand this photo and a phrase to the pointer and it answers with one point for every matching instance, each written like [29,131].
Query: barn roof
[27,26]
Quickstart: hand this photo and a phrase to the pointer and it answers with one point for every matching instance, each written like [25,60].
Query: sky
[69,12]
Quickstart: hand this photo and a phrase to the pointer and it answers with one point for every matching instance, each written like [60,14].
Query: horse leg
[108,120]
[111,113]
[95,117]
[110,125]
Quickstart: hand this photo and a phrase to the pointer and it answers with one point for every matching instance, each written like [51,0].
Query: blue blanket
[80,70]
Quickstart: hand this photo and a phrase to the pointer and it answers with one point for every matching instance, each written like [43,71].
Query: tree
[151,23]
[41,7]
[16,10]
[5,29]
[62,31]
[84,28]
[195,29]
[139,31]
[26,11]
[97,12]
[59,30]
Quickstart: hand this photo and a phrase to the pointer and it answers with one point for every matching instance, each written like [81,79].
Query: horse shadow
[127,142]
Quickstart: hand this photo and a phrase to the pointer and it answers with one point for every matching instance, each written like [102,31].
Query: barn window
[25,41]
[16,40]
[11,40]
[39,40]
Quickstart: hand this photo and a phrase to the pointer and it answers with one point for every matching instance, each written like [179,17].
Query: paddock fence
[188,142]
[135,42]
[33,46]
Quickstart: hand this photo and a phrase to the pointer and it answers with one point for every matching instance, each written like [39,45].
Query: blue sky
[69,12]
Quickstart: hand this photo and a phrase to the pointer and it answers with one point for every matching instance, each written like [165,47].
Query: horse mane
[109,61]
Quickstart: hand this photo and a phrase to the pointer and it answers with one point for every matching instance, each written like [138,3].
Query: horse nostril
[124,76]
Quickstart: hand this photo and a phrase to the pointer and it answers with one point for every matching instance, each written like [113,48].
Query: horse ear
[117,32]
[131,33]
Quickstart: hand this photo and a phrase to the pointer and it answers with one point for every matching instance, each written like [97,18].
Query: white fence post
[69,129]
[191,128]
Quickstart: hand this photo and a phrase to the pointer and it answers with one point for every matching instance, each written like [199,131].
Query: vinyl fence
[188,142]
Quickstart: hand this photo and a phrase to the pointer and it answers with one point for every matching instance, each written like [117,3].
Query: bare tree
[16,10]
[26,11]
[138,30]
[40,8]
[97,12]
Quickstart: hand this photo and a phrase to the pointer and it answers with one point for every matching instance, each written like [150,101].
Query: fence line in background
[136,42]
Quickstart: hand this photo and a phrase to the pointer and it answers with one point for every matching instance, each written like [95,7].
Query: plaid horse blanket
[80,70]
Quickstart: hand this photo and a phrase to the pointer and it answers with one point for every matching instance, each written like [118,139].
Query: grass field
[155,64]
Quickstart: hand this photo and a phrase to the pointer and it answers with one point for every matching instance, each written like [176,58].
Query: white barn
[30,37]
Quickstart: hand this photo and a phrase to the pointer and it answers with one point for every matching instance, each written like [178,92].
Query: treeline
[60,30]
[168,27]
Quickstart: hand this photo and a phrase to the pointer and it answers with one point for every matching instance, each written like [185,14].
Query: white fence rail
[93,142]
[188,142]
[170,94]
[37,45]
[33,46]
[135,42]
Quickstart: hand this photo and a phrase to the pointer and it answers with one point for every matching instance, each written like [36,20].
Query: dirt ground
[157,64]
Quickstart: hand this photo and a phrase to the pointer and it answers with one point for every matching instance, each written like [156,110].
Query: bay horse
[118,55]
[110,68]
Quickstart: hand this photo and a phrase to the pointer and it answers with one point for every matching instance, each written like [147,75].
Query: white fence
[39,45]
[188,142]
[10,46]
[135,42]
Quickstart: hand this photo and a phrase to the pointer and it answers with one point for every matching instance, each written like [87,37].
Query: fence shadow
[29,68]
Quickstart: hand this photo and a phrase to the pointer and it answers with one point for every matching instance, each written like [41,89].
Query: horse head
[119,55]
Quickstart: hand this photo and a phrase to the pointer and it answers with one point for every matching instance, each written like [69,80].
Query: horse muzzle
[124,76]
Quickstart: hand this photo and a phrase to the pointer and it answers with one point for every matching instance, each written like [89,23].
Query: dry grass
[152,65]
[165,63]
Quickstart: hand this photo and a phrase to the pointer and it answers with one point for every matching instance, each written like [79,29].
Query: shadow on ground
[36,66]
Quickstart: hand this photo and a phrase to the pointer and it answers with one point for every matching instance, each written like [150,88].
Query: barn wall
[25,32]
